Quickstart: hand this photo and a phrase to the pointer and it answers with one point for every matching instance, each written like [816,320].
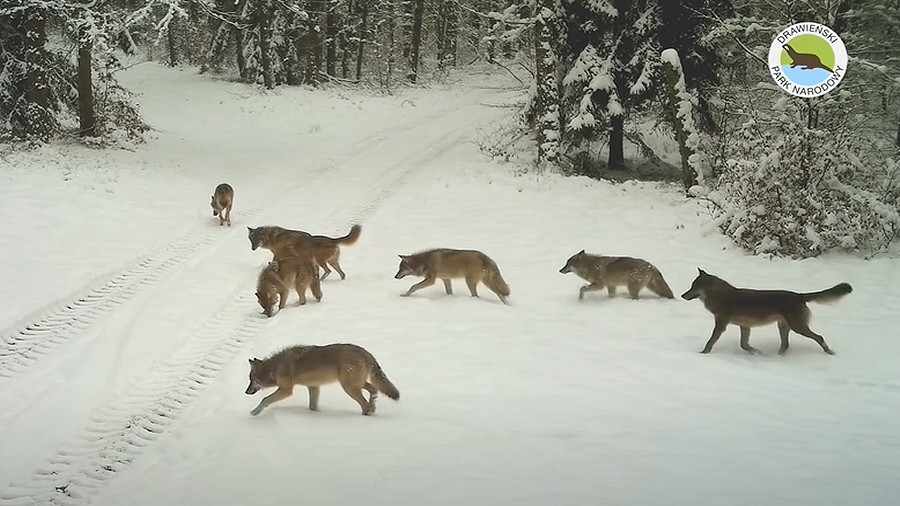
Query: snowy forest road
[136,315]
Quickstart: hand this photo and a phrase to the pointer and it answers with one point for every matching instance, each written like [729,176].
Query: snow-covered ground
[128,316]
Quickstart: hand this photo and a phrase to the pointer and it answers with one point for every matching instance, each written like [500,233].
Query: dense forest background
[779,174]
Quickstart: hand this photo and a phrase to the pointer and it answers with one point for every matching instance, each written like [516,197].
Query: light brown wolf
[445,263]
[751,308]
[284,242]
[221,202]
[312,366]
[279,276]
[610,272]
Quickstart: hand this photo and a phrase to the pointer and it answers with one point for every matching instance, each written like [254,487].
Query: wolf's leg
[611,290]
[800,325]
[228,217]
[418,286]
[355,392]
[283,293]
[593,287]
[283,392]
[745,340]
[300,287]
[783,331]
[325,270]
[472,284]
[634,289]
[313,398]
[373,396]
[721,323]
[316,286]
[448,286]
[334,263]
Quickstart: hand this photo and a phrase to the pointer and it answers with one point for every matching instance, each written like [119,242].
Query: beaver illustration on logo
[807,60]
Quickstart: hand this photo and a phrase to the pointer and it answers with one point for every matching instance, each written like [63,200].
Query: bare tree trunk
[391,21]
[345,53]
[448,19]
[85,89]
[363,34]
[239,52]
[898,134]
[416,43]
[38,119]
[170,37]
[331,28]
[616,142]
[314,36]
[265,22]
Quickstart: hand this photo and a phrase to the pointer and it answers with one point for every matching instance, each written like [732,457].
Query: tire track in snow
[24,344]
[119,432]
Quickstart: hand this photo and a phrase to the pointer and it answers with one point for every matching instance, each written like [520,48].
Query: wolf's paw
[829,351]
[405,294]
[257,410]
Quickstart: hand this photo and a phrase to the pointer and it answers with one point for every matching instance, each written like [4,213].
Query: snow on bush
[787,188]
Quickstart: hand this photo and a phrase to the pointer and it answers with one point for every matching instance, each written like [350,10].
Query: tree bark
[616,140]
[363,33]
[85,89]
[688,175]
[170,37]
[314,36]
[331,21]
[547,100]
[265,21]
[446,34]
[38,119]
[239,52]
[416,43]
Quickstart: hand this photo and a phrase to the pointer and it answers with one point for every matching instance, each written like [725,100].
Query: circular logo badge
[807,59]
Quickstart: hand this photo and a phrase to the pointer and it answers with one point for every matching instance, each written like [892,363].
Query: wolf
[221,202]
[445,263]
[751,308]
[284,242]
[312,366]
[279,276]
[610,272]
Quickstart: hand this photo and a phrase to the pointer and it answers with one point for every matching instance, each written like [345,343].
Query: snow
[131,389]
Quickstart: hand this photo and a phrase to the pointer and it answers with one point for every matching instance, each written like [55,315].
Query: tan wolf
[610,272]
[312,366]
[221,202]
[751,308]
[279,276]
[284,242]
[445,263]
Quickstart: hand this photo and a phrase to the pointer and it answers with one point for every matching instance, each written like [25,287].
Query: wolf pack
[298,256]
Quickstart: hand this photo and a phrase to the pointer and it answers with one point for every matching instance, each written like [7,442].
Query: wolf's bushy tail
[351,237]
[832,294]
[382,383]
[659,286]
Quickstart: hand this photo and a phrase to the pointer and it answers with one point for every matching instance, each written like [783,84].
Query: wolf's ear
[581,252]
[249,229]
[403,257]
[252,361]
[701,272]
